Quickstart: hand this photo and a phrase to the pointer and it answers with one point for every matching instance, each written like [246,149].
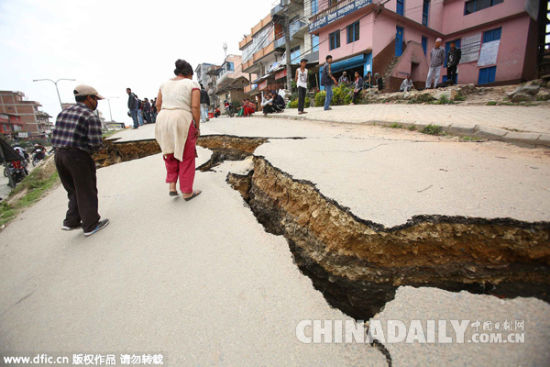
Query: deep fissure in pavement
[358,264]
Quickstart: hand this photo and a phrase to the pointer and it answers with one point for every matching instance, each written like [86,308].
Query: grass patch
[459,98]
[395,125]
[412,128]
[36,185]
[444,100]
[432,130]
[468,138]
[492,103]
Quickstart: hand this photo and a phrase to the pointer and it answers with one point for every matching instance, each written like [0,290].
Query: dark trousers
[77,172]
[356,95]
[268,108]
[451,75]
[301,98]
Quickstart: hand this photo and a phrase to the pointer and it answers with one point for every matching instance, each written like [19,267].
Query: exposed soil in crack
[358,264]
[224,147]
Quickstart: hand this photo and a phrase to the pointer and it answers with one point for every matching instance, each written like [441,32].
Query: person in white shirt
[407,84]
[301,82]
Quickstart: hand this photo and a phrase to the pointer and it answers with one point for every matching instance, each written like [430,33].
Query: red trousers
[184,170]
[248,111]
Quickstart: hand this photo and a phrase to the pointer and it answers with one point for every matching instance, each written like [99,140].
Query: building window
[314,7]
[332,2]
[425,12]
[476,5]
[294,54]
[229,66]
[334,40]
[425,44]
[492,35]
[353,32]
[314,43]
[400,8]
[487,75]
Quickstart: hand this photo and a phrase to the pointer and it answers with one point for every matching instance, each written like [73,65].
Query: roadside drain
[357,264]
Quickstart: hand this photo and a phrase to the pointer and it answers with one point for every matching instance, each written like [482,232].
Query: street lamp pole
[109,103]
[56,88]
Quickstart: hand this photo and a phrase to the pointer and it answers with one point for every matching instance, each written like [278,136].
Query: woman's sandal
[195,194]
[173,193]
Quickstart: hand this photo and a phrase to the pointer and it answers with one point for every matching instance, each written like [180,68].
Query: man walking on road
[452,62]
[301,83]
[205,104]
[133,107]
[327,81]
[437,57]
[77,133]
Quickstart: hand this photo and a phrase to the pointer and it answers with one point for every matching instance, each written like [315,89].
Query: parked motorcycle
[16,172]
[229,109]
[37,156]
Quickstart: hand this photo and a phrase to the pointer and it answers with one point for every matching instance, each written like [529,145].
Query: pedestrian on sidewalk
[452,63]
[147,111]
[327,81]
[140,111]
[267,103]
[343,78]
[379,81]
[178,127]
[406,84]
[357,87]
[133,107]
[77,133]
[437,57]
[301,82]
[205,104]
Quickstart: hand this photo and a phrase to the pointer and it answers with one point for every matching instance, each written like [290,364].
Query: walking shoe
[69,228]
[100,225]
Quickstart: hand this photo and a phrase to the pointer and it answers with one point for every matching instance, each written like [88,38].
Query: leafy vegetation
[432,130]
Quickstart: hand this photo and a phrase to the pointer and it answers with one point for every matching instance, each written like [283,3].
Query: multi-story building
[231,80]
[10,125]
[498,38]
[207,75]
[263,50]
[34,122]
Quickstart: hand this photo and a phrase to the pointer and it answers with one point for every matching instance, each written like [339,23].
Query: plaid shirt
[78,127]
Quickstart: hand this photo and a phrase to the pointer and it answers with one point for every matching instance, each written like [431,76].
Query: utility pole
[286,26]
[109,103]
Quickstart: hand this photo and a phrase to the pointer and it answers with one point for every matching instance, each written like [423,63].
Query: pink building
[498,38]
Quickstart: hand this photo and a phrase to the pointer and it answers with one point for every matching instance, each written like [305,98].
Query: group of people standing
[141,111]
[437,59]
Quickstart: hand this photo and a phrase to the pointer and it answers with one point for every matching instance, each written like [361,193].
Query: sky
[114,44]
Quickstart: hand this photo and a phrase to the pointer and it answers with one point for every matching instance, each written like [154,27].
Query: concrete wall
[364,43]
[455,20]
[511,53]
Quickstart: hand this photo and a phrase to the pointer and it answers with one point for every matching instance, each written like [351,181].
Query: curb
[486,132]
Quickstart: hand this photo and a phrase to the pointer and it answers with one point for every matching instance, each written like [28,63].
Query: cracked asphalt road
[204,284]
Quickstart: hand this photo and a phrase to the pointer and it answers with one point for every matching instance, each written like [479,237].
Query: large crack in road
[357,264]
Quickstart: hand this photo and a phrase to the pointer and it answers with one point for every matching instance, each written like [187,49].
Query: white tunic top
[174,118]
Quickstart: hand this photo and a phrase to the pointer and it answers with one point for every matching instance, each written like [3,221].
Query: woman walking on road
[178,127]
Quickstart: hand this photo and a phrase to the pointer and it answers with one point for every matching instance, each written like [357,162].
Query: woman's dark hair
[183,68]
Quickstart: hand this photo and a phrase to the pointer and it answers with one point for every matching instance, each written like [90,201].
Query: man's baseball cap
[86,90]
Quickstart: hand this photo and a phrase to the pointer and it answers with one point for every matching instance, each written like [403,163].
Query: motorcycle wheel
[11,182]
[6,172]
